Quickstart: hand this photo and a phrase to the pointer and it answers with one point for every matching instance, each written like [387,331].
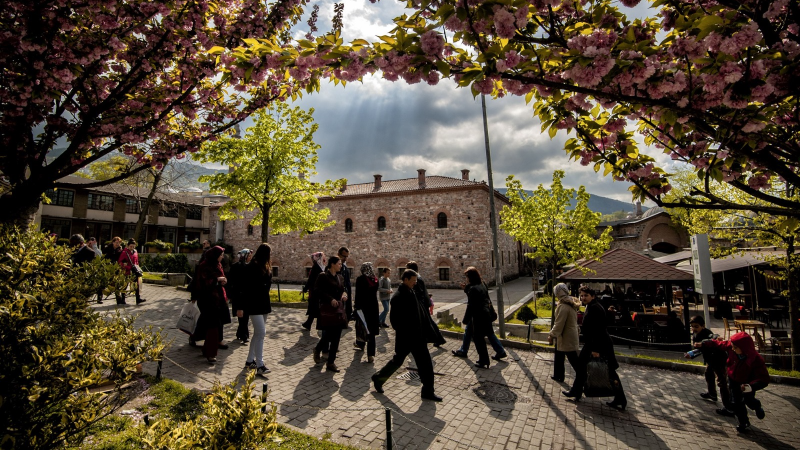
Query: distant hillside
[597,203]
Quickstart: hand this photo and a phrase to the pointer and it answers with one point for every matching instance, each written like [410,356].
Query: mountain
[598,203]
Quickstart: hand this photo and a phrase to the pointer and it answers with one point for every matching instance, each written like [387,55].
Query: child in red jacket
[747,373]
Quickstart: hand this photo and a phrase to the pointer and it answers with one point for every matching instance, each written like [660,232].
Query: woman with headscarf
[330,294]
[317,267]
[257,282]
[367,302]
[212,302]
[564,331]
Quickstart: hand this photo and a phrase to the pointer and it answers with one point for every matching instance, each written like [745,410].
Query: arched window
[381,223]
[348,226]
[441,220]
[249,230]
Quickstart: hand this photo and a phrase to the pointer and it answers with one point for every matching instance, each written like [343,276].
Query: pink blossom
[485,86]
[504,23]
[432,43]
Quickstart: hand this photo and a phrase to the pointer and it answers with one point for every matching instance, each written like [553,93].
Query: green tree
[745,229]
[272,165]
[54,347]
[546,222]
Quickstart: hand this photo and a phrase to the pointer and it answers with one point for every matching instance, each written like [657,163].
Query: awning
[674,258]
[734,262]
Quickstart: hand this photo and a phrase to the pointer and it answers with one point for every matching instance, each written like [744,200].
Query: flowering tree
[547,222]
[83,79]
[271,169]
[716,93]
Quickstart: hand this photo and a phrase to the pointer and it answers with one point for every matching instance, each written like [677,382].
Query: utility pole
[498,272]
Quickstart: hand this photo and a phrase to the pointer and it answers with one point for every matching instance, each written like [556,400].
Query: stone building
[651,231]
[440,222]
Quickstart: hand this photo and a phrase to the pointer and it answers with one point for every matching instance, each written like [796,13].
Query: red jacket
[749,370]
[127,259]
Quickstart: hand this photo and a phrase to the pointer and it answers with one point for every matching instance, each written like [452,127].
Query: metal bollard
[279,291]
[388,429]
[529,331]
[264,389]
[158,371]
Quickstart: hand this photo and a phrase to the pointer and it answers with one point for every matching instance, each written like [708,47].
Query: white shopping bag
[363,319]
[187,322]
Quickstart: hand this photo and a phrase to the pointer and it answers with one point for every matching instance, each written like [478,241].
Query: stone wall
[411,233]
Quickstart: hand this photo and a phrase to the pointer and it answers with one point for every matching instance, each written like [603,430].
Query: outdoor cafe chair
[728,329]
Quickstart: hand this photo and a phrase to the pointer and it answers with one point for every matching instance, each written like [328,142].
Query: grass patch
[152,276]
[287,296]
[286,438]
[451,327]
[542,309]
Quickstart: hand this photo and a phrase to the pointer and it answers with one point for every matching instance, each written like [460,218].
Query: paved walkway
[513,404]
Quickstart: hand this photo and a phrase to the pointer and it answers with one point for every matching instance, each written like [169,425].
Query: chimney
[421,178]
[638,208]
[377,182]
[465,174]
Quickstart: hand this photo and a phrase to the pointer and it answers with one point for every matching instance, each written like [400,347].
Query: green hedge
[164,263]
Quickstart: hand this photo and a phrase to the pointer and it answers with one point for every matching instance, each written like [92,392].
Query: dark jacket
[747,370]
[367,301]
[422,294]
[345,274]
[254,291]
[112,254]
[313,305]
[409,318]
[82,255]
[329,287]
[478,309]
[211,298]
[595,335]
[710,355]
[234,287]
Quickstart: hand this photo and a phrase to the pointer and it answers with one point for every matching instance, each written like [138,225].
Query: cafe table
[755,325]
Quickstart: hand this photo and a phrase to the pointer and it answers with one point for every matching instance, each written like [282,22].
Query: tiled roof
[131,191]
[407,184]
[625,265]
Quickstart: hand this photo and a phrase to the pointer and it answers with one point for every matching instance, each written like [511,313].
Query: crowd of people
[84,251]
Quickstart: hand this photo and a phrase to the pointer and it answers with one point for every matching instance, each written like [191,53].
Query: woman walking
[317,267]
[256,284]
[367,302]
[212,302]
[564,332]
[129,260]
[329,291]
[597,344]
[478,313]
[385,292]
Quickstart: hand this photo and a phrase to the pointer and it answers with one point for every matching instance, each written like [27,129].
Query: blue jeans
[256,352]
[382,316]
[495,343]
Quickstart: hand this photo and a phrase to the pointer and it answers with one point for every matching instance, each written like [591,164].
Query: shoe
[708,396]
[431,396]
[358,348]
[317,357]
[263,370]
[324,355]
[211,360]
[569,394]
[307,326]
[383,325]
[99,302]
[481,365]
[223,346]
[760,413]
[140,301]
[332,368]
[725,412]
[500,357]
[619,406]
[459,353]
[250,365]
[560,380]
[370,359]
[244,341]
[192,343]
[377,384]
[743,427]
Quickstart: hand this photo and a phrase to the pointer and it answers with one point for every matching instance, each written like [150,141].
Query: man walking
[344,253]
[414,331]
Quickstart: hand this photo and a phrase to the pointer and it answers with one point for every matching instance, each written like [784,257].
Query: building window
[130,229]
[61,227]
[60,197]
[168,210]
[249,229]
[194,213]
[400,271]
[132,206]
[348,226]
[275,271]
[441,220]
[444,274]
[101,202]
[381,223]
[168,234]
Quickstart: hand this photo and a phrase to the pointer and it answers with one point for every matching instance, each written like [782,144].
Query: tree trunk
[552,295]
[792,274]
[265,224]
[20,207]
[146,208]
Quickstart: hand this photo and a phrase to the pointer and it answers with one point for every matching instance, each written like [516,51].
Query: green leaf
[216,50]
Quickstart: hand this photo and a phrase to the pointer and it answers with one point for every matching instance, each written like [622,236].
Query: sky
[393,129]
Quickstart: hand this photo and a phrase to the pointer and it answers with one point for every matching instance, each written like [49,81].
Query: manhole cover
[409,376]
[497,393]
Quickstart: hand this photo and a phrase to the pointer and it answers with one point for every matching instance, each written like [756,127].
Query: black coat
[422,293]
[211,300]
[595,335]
[409,319]
[329,287]
[112,254]
[367,301]
[82,255]
[234,287]
[478,310]
[710,355]
[345,274]
[313,305]
[254,291]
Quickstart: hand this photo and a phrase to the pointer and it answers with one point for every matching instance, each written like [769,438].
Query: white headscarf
[560,291]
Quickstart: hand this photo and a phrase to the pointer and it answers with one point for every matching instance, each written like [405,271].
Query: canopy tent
[732,262]
[675,258]
[620,265]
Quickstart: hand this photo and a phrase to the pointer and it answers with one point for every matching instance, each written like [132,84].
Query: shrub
[191,245]
[231,418]
[54,346]
[545,302]
[525,314]
[160,245]
[166,263]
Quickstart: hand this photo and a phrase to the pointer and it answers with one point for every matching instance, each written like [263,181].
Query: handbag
[492,312]
[598,379]
[187,322]
[134,267]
